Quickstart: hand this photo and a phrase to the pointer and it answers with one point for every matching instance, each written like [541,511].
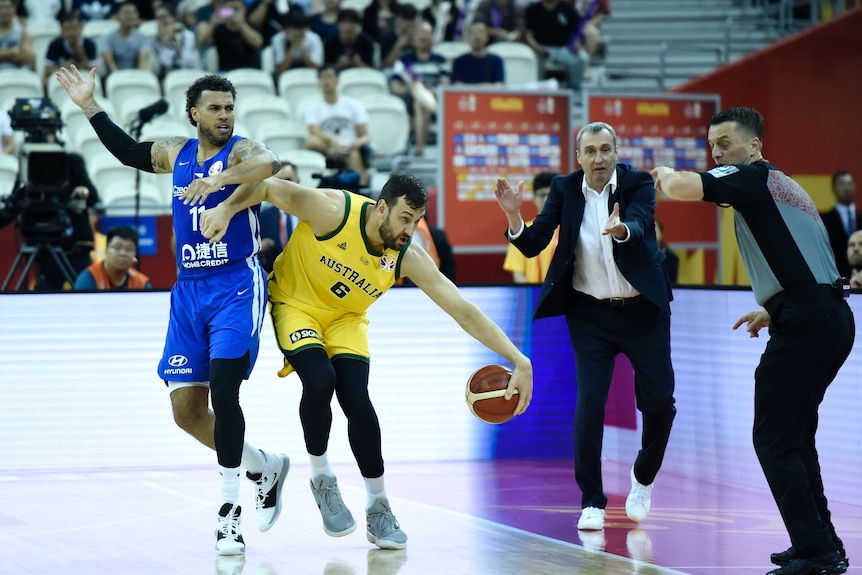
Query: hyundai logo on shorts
[178,360]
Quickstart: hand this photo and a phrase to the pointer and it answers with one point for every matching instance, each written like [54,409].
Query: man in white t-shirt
[296,46]
[338,126]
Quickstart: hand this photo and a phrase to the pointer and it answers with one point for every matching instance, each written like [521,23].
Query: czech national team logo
[387,262]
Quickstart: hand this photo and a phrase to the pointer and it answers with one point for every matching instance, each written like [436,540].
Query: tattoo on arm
[91,109]
[246,149]
[161,153]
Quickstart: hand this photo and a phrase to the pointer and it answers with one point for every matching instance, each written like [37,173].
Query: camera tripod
[28,254]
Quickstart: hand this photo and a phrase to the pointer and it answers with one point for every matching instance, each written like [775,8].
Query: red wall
[809,90]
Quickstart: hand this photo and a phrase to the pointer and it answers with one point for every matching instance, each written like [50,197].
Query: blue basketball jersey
[196,256]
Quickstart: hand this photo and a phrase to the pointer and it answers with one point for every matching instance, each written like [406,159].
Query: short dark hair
[407,185]
[211,82]
[326,67]
[543,180]
[295,19]
[349,15]
[840,174]
[70,16]
[748,118]
[406,11]
[122,232]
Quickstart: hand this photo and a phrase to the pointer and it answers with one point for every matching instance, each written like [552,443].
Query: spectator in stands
[478,67]
[445,25]
[416,80]
[175,46]
[16,47]
[551,25]
[338,126]
[533,270]
[7,138]
[147,8]
[116,272]
[126,48]
[854,258]
[350,48]
[40,10]
[70,47]
[96,9]
[276,226]
[671,260]
[392,46]
[844,219]
[594,12]
[187,11]
[378,20]
[504,19]
[296,46]
[235,40]
[268,17]
[325,23]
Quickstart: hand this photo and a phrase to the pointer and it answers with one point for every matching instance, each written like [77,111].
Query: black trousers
[811,334]
[599,332]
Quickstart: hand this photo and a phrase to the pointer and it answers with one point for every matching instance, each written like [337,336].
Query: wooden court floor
[482,518]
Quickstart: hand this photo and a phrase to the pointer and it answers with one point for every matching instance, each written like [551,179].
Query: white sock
[374,489]
[320,466]
[253,459]
[229,484]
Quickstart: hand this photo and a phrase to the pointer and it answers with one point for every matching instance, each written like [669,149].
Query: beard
[389,238]
[215,139]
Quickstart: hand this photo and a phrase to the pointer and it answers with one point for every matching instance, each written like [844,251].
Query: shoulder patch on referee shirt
[721,171]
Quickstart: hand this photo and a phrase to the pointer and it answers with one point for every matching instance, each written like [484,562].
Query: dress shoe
[826,564]
[784,557]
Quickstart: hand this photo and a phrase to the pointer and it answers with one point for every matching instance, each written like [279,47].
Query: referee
[786,252]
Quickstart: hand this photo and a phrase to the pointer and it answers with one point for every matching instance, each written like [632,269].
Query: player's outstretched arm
[421,269]
[141,155]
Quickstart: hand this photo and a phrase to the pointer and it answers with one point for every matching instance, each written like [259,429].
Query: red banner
[488,134]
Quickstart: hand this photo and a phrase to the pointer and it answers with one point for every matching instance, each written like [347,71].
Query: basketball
[485,394]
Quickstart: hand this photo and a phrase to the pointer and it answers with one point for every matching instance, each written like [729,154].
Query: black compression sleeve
[119,143]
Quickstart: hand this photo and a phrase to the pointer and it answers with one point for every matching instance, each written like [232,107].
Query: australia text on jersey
[352,276]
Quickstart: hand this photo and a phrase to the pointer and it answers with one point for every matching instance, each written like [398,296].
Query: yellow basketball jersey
[340,271]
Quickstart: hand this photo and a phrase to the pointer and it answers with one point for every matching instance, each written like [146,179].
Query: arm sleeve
[85,281]
[121,145]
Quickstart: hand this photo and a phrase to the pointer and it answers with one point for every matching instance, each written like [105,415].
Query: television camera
[41,203]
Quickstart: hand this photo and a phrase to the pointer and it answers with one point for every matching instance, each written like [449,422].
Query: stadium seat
[297,85]
[250,83]
[261,111]
[519,62]
[115,184]
[76,123]
[307,162]
[388,124]
[359,82]
[286,135]
[20,83]
[41,35]
[174,87]
[451,50]
[124,84]
[8,173]
[95,30]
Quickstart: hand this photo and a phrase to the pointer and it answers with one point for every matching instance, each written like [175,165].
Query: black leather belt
[617,301]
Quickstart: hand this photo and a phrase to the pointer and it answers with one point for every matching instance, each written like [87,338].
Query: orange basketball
[485,394]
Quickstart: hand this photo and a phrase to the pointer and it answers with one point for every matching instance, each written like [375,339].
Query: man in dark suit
[606,277]
[843,219]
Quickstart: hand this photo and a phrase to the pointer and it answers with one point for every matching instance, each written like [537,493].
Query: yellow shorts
[340,334]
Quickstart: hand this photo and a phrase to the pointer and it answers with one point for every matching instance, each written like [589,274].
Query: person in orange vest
[116,271]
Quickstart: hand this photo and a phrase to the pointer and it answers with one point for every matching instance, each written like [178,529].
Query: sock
[229,484]
[374,489]
[253,459]
[320,466]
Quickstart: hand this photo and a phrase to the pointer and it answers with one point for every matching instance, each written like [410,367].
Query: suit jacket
[269,228]
[639,259]
[838,238]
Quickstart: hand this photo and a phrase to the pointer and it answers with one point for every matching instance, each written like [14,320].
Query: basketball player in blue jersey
[344,254]
[218,302]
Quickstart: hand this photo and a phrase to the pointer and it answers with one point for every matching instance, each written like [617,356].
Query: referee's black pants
[641,331]
[811,333]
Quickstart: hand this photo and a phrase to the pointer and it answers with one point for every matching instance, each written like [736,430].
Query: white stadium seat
[359,82]
[519,62]
[388,124]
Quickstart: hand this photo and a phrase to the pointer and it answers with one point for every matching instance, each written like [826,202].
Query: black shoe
[826,564]
[789,554]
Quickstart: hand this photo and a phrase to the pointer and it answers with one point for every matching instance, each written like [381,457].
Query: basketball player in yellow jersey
[344,254]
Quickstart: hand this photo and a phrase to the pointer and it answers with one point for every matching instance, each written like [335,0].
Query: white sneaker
[228,533]
[638,501]
[592,519]
[268,486]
